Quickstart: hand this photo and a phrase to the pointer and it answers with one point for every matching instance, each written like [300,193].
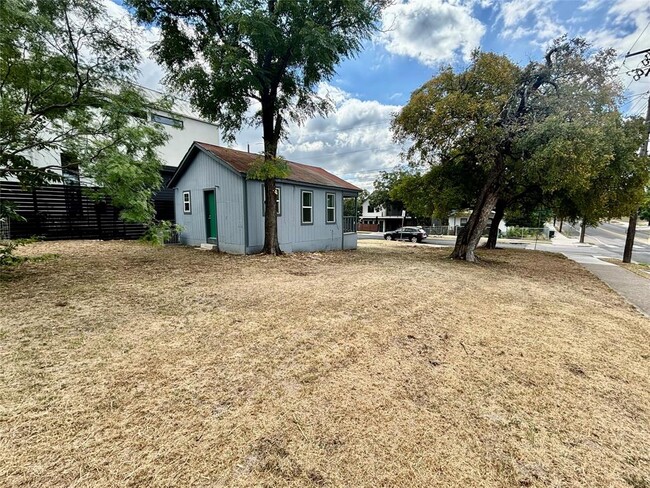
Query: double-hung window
[307,206]
[187,202]
[330,204]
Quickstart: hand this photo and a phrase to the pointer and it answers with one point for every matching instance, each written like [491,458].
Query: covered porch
[350,218]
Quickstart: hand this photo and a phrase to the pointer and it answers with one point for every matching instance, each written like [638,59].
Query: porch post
[356,211]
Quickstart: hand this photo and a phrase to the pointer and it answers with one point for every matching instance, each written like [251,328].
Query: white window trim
[187,204]
[303,207]
[328,208]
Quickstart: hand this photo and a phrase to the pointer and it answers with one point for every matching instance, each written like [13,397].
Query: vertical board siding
[255,195]
[319,236]
[349,241]
[202,174]
[292,234]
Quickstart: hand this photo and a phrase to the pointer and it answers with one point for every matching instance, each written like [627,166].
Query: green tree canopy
[611,184]
[644,210]
[406,188]
[257,62]
[541,126]
[66,72]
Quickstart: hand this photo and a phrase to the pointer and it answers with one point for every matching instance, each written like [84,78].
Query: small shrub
[523,233]
[159,232]
[7,248]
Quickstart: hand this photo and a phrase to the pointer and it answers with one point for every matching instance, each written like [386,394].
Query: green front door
[211,216]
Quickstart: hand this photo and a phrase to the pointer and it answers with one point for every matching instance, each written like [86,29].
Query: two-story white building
[62,211]
[384,218]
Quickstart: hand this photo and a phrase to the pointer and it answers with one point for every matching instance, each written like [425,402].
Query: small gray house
[216,204]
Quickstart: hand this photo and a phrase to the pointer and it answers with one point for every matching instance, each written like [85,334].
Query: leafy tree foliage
[545,127]
[644,210]
[352,208]
[65,87]
[257,62]
[522,216]
[382,188]
[613,183]
[403,188]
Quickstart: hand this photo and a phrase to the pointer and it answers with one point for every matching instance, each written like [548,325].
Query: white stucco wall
[366,214]
[181,139]
[171,152]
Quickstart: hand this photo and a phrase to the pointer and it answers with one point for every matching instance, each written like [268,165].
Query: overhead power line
[637,40]
[635,105]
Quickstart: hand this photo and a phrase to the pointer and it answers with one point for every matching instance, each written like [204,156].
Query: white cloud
[151,73]
[515,11]
[353,142]
[430,31]
[532,19]
[591,5]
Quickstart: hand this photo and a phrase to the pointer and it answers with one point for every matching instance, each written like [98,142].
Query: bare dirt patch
[124,365]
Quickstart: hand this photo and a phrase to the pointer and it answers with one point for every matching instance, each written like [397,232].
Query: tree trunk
[470,235]
[271,244]
[583,230]
[494,228]
[561,223]
[631,228]
[271,137]
[629,239]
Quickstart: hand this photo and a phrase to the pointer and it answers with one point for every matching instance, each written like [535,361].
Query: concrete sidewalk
[561,240]
[635,289]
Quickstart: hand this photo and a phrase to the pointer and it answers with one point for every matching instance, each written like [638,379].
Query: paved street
[607,240]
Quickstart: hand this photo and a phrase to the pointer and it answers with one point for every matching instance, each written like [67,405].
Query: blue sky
[416,39]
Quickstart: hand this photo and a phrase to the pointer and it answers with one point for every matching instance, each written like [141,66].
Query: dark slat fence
[69,212]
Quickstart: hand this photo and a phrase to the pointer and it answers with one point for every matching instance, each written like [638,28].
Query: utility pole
[637,73]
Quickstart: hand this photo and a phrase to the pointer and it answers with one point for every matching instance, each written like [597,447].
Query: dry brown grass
[123,365]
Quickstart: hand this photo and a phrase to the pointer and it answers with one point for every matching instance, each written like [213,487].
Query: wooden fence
[69,212]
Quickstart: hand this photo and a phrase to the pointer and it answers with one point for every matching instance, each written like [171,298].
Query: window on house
[70,169]
[463,221]
[307,215]
[161,119]
[330,201]
[71,185]
[187,202]
[278,200]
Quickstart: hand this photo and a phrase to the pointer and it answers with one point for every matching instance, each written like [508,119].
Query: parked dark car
[406,233]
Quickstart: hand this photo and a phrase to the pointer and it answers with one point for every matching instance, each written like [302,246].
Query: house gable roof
[241,161]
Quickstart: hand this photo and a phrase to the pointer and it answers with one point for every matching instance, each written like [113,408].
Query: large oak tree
[508,123]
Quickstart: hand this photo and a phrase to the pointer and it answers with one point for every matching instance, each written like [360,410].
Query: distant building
[384,218]
[64,211]
[459,218]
